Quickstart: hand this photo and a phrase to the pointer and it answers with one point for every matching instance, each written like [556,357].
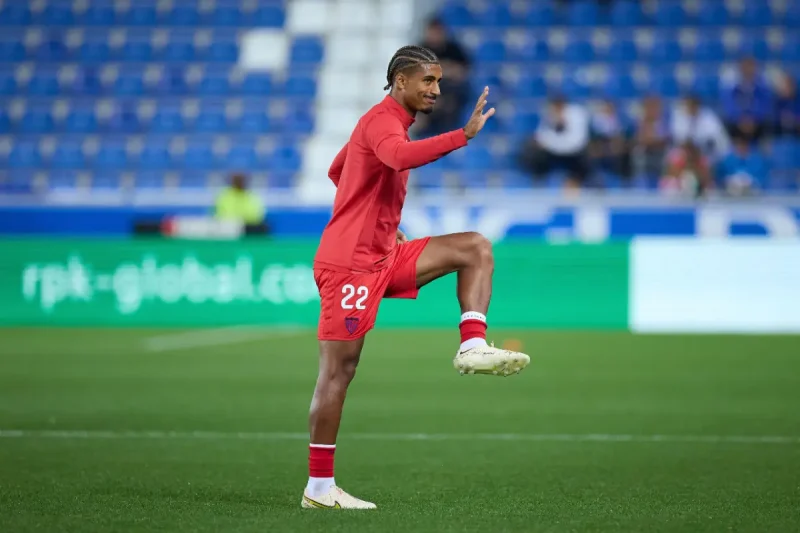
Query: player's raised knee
[480,248]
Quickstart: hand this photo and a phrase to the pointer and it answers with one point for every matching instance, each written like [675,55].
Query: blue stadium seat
[515,179]
[532,49]
[626,13]
[523,123]
[579,51]
[148,180]
[87,82]
[55,15]
[52,47]
[285,158]
[709,48]
[495,15]
[298,84]
[37,120]
[269,15]
[59,179]
[198,155]
[215,82]
[222,51]
[15,14]
[129,82]
[456,15]
[756,15]
[531,84]
[623,50]
[252,122]
[619,85]
[25,154]
[280,180]
[584,13]
[173,82]
[664,83]
[257,84]
[5,122]
[182,15]
[224,16]
[98,15]
[8,81]
[106,179]
[789,52]
[140,15]
[95,48]
[81,119]
[706,84]
[243,157]
[137,48]
[306,50]
[193,179]
[573,87]
[211,119]
[538,14]
[490,51]
[474,179]
[298,121]
[168,119]
[44,81]
[754,45]
[68,154]
[11,49]
[180,48]
[155,155]
[670,14]
[711,14]
[666,49]
[111,155]
[16,181]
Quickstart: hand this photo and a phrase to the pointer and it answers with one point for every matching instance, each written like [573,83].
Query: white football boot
[335,498]
[490,360]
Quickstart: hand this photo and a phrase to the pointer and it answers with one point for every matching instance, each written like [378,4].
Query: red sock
[472,329]
[320,460]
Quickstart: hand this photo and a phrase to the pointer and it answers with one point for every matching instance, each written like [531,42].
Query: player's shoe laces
[490,360]
[335,498]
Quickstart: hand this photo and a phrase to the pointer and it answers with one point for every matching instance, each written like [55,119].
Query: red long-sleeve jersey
[371,176]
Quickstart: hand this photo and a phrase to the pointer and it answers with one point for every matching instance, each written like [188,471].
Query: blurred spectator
[787,106]
[560,143]
[743,170]
[692,122]
[455,88]
[650,140]
[747,102]
[238,203]
[609,150]
[688,171]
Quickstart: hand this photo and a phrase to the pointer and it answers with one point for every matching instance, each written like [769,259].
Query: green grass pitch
[98,432]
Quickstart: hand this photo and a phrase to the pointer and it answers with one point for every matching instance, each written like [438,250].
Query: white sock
[317,486]
[476,341]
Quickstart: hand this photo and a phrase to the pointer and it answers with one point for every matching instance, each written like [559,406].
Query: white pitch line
[217,337]
[510,437]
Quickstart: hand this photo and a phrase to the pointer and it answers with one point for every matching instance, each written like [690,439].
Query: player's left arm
[335,172]
[386,136]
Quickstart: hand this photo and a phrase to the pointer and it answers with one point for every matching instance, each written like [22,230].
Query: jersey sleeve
[386,136]
[335,172]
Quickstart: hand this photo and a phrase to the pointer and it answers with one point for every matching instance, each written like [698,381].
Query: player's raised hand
[478,118]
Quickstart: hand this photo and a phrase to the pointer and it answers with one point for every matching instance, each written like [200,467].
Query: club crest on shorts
[351,323]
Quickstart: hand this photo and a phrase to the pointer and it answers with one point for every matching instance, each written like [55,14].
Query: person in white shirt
[560,143]
[691,122]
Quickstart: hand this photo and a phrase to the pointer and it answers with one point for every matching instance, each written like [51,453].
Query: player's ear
[400,81]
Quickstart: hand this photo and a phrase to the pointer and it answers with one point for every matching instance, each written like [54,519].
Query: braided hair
[408,57]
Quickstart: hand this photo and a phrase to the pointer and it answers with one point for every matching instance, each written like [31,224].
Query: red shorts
[349,301]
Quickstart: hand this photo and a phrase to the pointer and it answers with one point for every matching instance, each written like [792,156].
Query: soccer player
[363,257]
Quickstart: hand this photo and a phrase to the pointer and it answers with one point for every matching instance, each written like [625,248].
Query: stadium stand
[152,93]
